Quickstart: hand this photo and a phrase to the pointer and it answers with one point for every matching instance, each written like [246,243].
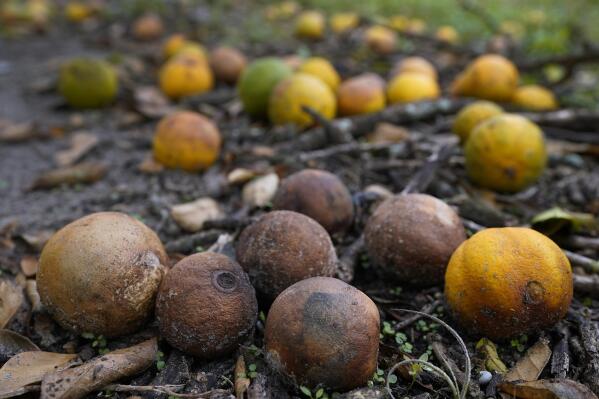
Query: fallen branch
[348,148]
[590,265]
[171,390]
[348,259]
[421,180]
[590,55]
[586,285]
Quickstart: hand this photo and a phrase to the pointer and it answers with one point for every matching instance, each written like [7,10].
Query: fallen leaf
[388,133]
[260,191]
[149,165]
[12,343]
[556,220]
[530,366]
[547,389]
[29,265]
[191,216]
[242,382]
[33,295]
[27,368]
[88,172]
[37,239]
[11,298]
[81,144]
[492,360]
[240,175]
[100,371]
[150,102]
[13,132]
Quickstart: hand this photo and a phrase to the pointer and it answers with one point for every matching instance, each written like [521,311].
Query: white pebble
[484,377]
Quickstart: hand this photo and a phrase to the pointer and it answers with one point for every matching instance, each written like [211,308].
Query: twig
[342,149]
[162,389]
[590,55]
[420,181]
[335,135]
[581,242]
[415,317]
[560,360]
[348,258]
[189,243]
[587,285]
[481,13]
[590,265]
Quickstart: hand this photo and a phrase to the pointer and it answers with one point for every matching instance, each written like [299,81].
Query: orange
[227,63]
[415,64]
[490,76]
[410,86]
[343,22]
[322,69]
[186,140]
[472,115]
[361,94]
[185,75]
[447,33]
[380,39]
[147,27]
[310,25]
[173,44]
[534,98]
[503,282]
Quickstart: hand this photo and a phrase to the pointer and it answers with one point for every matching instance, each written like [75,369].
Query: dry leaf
[149,165]
[88,172]
[242,382]
[37,239]
[12,343]
[27,368]
[11,298]
[29,265]
[79,381]
[150,102]
[240,175]
[81,144]
[530,366]
[547,389]
[12,132]
[492,360]
[191,216]
[260,191]
[388,133]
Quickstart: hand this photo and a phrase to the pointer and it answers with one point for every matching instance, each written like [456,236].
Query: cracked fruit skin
[409,87]
[100,274]
[310,25]
[490,77]
[362,94]
[257,82]
[186,140]
[535,98]
[472,115]
[322,331]
[322,69]
[185,75]
[297,91]
[505,153]
[503,282]
[206,305]
[88,83]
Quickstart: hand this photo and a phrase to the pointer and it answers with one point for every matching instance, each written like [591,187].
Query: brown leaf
[11,298]
[81,144]
[28,368]
[87,172]
[12,343]
[388,133]
[547,389]
[242,382]
[13,132]
[150,102]
[532,364]
[100,371]
[29,265]
[37,239]
[191,216]
[149,165]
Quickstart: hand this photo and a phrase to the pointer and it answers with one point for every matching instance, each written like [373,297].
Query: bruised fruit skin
[318,194]
[284,247]
[185,75]
[147,27]
[322,331]
[503,282]
[297,91]
[490,76]
[344,22]
[505,153]
[257,82]
[206,305]
[227,63]
[380,39]
[310,25]
[415,65]
[100,274]
[173,44]
[88,83]
[410,86]
[535,98]
[362,94]
[411,237]
[186,140]
[322,69]
[472,115]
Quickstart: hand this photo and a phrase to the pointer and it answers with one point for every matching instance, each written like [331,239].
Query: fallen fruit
[416,65]
[147,27]
[343,22]
[282,10]
[410,86]
[284,247]
[206,305]
[323,332]
[227,63]
[257,82]
[192,48]
[88,83]
[185,75]
[76,11]
[534,98]
[310,25]
[380,39]
[398,22]
[416,25]
[447,34]
[318,194]
[100,274]
[173,44]
[361,94]
[472,115]
[411,238]
[300,90]
[505,153]
[322,69]
[186,140]
[503,282]
[490,76]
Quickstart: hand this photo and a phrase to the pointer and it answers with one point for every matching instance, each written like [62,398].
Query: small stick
[412,319]
[590,265]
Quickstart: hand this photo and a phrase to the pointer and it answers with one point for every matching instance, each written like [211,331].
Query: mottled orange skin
[380,39]
[227,63]
[415,64]
[310,25]
[535,98]
[362,94]
[490,76]
[322,69]
[472,115]
[147,27]
[206,305]
[412,86]
[100,274]
[186,140]
[322,331]
[185,75]
[503,282]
